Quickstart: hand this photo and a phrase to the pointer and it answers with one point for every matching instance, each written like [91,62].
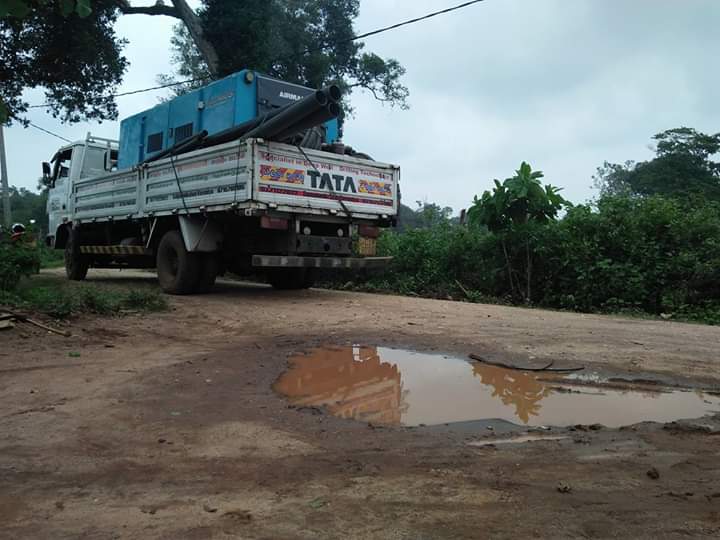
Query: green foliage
[513,211]
[27,205]
[63,299]
[16,262]
[50,258]
[634,255]
[683,168]
[430,261]
[306,42]
[651,254]
[427,215]
[516,201]
[68,48]
[21,8]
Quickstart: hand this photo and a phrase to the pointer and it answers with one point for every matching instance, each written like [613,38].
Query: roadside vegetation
[21,288]
[649,245]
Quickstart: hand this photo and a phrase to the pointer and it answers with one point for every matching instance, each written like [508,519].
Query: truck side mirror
[46,169]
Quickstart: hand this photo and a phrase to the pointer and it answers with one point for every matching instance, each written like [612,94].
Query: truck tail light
[278,224]
[369,231]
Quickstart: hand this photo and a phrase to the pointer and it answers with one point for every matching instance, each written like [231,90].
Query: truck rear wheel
[76,264]
[178,270]
[292,278]
[209,268]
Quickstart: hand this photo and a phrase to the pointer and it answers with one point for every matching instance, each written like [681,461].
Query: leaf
[67,7]
[83,8]
[13,8]
[4,113]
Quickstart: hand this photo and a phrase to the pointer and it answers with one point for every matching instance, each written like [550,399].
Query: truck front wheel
[178,270]
[76,264]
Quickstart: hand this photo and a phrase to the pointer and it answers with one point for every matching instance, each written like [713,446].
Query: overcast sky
[562,84]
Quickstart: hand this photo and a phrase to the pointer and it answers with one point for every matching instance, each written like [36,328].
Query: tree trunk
[528,269]
[180,10]
[509,267]
[192,22]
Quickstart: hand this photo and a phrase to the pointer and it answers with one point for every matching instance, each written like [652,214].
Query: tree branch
[179,10]
[158,9]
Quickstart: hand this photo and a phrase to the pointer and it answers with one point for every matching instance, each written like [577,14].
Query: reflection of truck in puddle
[352,382]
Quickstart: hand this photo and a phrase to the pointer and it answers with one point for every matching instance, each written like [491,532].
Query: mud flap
[200,234]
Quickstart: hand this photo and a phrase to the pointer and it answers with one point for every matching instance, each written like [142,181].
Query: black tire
[292,278]
[76,264]
[209,268]
[178,270]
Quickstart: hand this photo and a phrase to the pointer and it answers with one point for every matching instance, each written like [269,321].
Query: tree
[27,205]
[66,48]
[511,211]
[683,168]
[305,42]
[76,55]
[612,178]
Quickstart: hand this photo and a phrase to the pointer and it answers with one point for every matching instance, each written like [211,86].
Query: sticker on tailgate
[331,181]
[270,173]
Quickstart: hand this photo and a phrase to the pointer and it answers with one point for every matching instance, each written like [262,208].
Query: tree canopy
[72,52]
[307,42]
[683,167]
[70,49]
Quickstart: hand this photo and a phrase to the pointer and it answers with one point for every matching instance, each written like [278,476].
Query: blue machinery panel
[215,107]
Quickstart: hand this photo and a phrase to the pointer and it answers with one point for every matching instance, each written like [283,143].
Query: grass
[50,258]
[59,298]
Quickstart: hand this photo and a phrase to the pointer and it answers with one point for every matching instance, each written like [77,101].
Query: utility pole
[5,187]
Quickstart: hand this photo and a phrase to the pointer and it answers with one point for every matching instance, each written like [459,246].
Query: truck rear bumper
[291,261]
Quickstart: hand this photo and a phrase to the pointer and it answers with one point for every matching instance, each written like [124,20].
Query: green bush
[652,254]
[16,261]
[624,254]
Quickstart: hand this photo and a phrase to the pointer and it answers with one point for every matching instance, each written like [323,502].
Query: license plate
[367,247]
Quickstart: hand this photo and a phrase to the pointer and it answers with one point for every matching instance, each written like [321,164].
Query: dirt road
[167,426]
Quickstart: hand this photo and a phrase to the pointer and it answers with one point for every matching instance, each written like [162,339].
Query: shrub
[16,261]
[624,254]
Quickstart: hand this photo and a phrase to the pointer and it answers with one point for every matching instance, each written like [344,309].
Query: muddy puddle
[396,387]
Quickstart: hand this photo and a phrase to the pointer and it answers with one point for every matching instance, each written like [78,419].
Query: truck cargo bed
[249,174]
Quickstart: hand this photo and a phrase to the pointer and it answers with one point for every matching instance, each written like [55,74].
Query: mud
[167,426]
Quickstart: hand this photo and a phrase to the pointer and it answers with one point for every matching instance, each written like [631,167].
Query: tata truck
[245,175]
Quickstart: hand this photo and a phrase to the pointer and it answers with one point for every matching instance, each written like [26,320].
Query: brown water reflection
[515,388]
[352,382]
[393,387]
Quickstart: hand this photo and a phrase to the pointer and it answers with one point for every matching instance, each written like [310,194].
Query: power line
[409,21]
[307,51]
[49,132]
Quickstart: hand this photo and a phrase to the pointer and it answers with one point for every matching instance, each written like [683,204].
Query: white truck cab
[92,157]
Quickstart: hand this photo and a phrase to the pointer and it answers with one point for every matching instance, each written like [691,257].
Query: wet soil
[167,426]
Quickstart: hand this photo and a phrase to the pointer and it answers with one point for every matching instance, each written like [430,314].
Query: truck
[245,175]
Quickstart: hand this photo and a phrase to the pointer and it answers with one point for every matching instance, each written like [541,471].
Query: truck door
[58,205]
